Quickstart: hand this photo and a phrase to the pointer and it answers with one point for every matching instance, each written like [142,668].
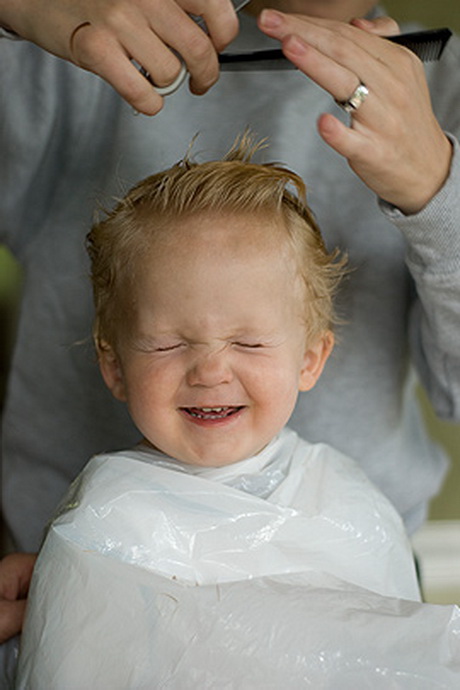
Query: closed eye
[250,346]
[169,348]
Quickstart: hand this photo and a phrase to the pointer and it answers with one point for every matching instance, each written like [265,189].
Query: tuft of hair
[231,185]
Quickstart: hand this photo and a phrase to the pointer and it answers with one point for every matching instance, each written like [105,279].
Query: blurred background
[438,543]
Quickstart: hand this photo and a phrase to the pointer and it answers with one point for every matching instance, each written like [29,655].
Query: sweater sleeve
[433,259]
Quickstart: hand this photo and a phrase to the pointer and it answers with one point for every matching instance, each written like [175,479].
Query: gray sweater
[68,142]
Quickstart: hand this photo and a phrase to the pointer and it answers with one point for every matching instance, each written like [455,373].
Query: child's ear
[315,358]
[111,370]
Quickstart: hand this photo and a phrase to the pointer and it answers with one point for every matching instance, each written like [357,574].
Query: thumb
[382,26]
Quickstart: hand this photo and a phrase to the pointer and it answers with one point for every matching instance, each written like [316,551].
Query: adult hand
[394,142]
[102,36]
[15,574]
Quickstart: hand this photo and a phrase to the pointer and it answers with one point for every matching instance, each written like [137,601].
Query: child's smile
[211,415]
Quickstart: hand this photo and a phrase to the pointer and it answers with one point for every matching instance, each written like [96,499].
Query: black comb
[427,45]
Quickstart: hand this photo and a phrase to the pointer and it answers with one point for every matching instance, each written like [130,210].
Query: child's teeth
[212,412]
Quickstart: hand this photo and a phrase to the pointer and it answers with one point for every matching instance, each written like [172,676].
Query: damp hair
[233,185]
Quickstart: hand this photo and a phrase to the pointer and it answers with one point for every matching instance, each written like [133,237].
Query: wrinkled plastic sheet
[311,630]
[154,579]
[205,532]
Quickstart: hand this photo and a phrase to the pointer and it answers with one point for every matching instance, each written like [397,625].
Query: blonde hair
[232,185]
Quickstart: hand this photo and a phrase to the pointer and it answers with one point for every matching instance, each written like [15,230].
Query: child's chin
[221,458]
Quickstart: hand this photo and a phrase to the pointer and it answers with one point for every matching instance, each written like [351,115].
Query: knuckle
[229,29]
[89,48]
[200,47]
[225,25]
[340,49]
[411,64]
[116,15]
[340,36]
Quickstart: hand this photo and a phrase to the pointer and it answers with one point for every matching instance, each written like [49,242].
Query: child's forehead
[229,229]
[231,258]
[221,248]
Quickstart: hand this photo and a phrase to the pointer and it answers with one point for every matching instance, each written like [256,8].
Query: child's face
[218,352]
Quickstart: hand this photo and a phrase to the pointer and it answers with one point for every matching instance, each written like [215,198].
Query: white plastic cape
[155,578]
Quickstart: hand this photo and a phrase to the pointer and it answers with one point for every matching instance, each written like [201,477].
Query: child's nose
[210,369]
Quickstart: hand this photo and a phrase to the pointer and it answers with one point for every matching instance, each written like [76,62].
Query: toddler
[214,307]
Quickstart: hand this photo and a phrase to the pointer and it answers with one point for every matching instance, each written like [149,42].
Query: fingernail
[270,19]
[360,22]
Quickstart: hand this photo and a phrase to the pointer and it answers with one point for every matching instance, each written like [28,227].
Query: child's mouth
[211,413]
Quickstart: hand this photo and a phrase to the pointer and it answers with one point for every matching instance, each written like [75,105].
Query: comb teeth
[427,45]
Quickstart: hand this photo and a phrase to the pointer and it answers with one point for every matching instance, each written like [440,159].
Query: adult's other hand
[394,142]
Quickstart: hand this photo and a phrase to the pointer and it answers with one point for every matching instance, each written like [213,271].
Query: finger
[198,44]
[359,147]
[99,52]
[89,50]
[339,81]
[220,19]
[178,31]
[161,63]
[11,618]
[198,52]
[382,26]
[339,65]
[346,44]
[346,141]
[156,35]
